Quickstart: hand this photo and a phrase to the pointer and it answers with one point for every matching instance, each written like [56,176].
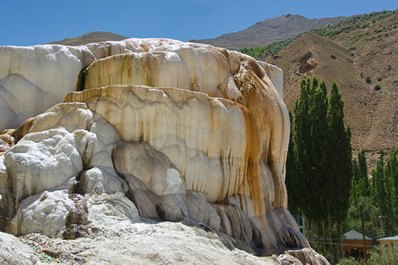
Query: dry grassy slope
[90,38]
[269,31]
[376,51]
[371,114]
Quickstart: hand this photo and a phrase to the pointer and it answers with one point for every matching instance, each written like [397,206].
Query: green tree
[292,184]
[339,159]
[360,181]
[363,175]
[320,166]
[383,195]
[378,195]
[390,185]
[309,132]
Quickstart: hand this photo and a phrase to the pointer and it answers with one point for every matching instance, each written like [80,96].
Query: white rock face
[161,131]
[152,168]
[13,251]
[45,160]
[50,208]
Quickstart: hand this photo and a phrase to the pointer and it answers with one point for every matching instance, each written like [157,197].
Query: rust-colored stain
[258,104]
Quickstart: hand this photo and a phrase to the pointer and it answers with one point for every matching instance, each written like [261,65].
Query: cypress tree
[310,131]
[293,184]
[379,192]
[301,140]
[390,175]
[339,159]
[360,182]
[355,193]
[393,164]
[319,169]
[363,174]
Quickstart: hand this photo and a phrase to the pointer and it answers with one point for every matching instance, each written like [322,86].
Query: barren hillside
[90,38]
[269,31]
[363,62]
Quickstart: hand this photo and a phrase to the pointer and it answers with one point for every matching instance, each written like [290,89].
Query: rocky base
[140,243]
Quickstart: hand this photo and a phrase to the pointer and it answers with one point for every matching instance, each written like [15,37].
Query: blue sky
[28,22]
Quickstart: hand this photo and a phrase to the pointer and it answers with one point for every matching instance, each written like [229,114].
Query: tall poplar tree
[292,183]
[360,182]
[391,170]
[339,155]
[320,160]
[384,188]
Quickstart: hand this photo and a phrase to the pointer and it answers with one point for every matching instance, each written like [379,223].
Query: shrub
[267,50]
[377,87]
[368,80]
[385,256]
[349,261]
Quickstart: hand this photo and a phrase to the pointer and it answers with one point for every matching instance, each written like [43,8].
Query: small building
[391,241]
[355,246]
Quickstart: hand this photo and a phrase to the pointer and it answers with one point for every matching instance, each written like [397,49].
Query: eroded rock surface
[150,130]
[13,251]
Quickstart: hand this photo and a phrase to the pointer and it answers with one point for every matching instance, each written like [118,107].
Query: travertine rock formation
[152,128]
[12,251]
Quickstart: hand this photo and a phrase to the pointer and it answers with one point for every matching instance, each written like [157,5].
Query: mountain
[91,37]
[361,55]
[269,31]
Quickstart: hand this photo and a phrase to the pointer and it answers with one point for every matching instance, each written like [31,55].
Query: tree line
[376,194]
[319,165]
[331,189]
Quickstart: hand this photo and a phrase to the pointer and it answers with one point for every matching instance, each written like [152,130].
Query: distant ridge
[91,37]
[269,31]
[360,54]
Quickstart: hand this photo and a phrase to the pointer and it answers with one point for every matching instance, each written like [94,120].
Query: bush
[377,87]
[349,261]
[267,50]
[368,80]
[385,256]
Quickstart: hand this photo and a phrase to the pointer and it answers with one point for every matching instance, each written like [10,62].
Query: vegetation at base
[378,197]
[384,256]
[267,50]
[356,22]
[349,261]
[335,192]
[319,165]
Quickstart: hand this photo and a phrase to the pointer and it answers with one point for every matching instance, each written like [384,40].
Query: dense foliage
[356,22]
[319,166]
[380,256]
[334,192]
[378,194]
[267,50]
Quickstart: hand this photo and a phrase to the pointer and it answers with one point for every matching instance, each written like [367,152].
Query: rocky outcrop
[32,79]
[150,130]
[13,251]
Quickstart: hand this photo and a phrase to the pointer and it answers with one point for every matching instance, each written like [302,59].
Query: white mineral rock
[145,130]
[13,251]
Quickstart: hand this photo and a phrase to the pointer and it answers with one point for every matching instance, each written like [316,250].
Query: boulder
[13,251]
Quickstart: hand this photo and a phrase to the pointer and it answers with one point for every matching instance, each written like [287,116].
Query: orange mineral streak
[130,68]
[193,77]
[266,110]
[253,181]
[235,147]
